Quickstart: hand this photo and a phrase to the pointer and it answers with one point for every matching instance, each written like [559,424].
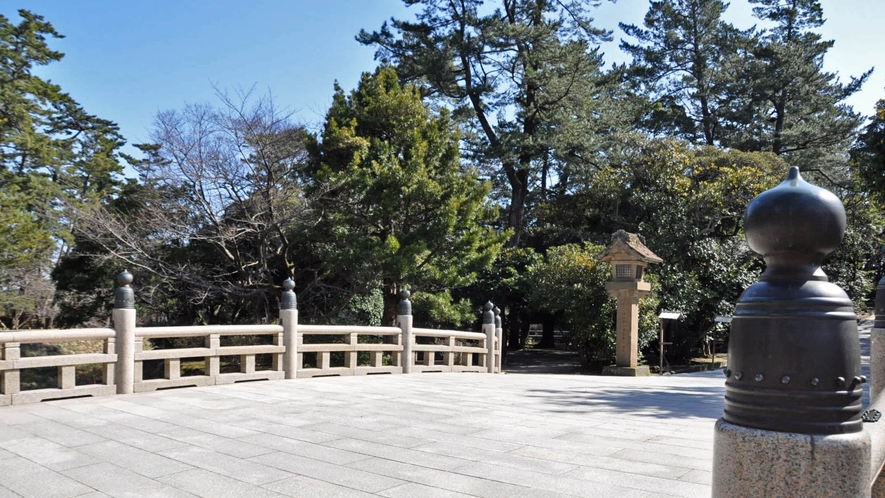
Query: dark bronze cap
[288,301]
[405,306]
[794,355]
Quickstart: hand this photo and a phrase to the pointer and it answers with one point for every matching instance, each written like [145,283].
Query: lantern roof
[630,245]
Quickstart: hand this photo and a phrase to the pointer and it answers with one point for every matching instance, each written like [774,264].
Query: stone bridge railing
[206,355]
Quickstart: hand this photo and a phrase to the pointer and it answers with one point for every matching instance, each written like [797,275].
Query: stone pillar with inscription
[628,257]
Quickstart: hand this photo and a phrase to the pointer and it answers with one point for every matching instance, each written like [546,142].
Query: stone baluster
[404,322]
[124,326]
[289,320]
[11,378]
[488,327]
[792,420]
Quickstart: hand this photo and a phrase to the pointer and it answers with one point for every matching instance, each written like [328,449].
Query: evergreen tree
[684,60]
[53,156]
[395,205]
[797,109]
[525,75]
[868,155]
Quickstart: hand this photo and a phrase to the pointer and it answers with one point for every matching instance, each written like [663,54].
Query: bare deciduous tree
[212,214]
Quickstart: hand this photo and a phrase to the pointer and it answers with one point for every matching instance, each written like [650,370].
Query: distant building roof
[630,244]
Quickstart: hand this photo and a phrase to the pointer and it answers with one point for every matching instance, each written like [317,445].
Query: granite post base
[638,371]
[754,462]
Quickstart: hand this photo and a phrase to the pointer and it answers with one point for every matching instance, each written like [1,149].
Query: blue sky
[126,60]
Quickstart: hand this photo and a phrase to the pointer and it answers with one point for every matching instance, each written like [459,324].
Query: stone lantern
[628,257]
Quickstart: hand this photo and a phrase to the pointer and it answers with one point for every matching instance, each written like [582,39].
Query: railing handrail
[201,330]
[347,329]
[56,335]
[457,334]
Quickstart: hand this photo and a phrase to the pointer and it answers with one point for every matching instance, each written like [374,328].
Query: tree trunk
[547,339]
[391,305]
[513,342]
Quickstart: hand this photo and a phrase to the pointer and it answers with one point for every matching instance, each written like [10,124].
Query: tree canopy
[490,156]
[396,206]
[53,154]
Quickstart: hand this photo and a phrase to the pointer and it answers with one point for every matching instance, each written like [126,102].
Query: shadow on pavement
[542,361]
[652,401]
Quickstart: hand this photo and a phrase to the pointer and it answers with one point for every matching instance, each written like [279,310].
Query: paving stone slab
[62,434]
[418,457]
[412,490]
[330,473]
[239,448]
[30,480]
[301,486]
[559,484]
[603,462]
[641,482]
[488,436]
[458,483]
[513,460]
[117,481]
[134,459]
[321,452]
[248,471]
[49,454]
[207,484]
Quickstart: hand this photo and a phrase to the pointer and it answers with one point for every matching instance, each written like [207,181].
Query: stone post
[877,374]
[877,341]
[404,322]
[124,326]
[499,336]
[792,420]
[488,327]
[289,320]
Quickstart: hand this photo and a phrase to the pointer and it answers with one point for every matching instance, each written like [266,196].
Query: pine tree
[526,76]
[684,61]
[396,206]
[53,155]
[797,109]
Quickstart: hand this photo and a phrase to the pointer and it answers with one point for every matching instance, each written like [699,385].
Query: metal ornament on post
[792,419]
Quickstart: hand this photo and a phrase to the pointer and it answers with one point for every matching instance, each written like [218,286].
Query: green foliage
[396,206]
[868,155]
[440,310]
[684,60]
[365,309]
[526,78]
[54,157]
[797,109]
[570,281]
[689,203]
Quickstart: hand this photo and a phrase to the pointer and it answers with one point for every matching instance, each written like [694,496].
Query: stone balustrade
[12,363]
[210,355]
[350,361]
[207,355]
[457,351]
